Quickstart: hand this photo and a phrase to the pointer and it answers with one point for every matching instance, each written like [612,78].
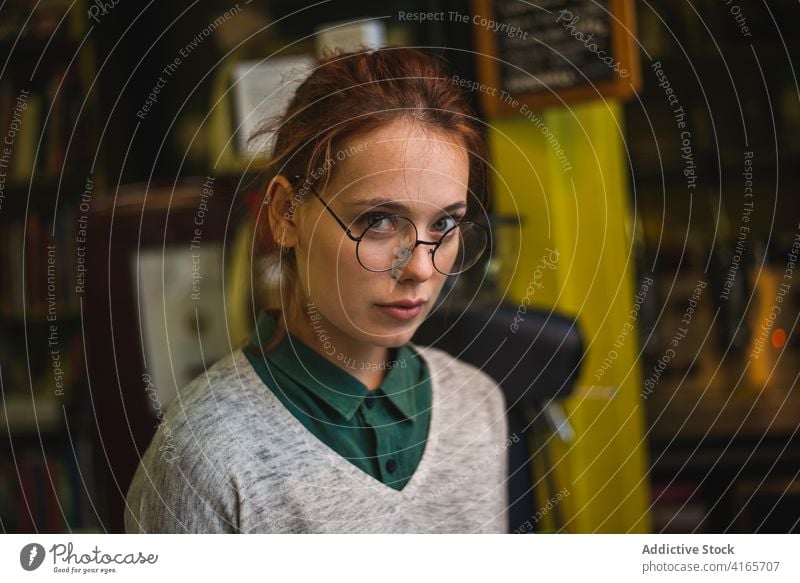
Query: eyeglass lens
[389,242]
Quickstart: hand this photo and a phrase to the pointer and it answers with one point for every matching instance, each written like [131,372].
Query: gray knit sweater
[229,457]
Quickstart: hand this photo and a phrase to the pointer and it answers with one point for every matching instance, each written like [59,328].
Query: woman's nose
[419,266]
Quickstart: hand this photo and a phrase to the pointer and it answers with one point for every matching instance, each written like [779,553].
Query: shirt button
[391,465]
[369,402]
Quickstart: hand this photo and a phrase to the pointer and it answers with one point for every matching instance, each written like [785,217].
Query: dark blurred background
[114,156]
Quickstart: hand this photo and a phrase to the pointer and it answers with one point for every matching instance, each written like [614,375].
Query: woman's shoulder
[469,401]
[204,436]
[223,396]
[214,377]
[452,374]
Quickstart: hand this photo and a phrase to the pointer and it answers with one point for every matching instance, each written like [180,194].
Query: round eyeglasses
[388,241]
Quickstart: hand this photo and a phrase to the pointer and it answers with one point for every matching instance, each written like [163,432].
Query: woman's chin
[389,339]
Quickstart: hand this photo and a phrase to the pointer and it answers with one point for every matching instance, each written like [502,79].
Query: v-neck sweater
[229,457]
[381,431]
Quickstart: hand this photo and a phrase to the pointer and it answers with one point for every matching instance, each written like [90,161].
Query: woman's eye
[445,224]
[376,222]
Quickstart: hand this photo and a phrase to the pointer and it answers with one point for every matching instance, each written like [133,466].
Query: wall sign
[540,53]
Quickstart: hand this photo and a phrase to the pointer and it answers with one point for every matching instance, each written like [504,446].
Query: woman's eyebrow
[390,204]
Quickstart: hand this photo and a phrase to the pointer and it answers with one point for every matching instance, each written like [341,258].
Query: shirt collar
[334,384]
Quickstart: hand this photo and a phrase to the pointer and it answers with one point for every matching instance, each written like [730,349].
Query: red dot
[778,338]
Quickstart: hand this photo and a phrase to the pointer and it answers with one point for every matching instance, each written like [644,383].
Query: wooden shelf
[694,412]
[20,416]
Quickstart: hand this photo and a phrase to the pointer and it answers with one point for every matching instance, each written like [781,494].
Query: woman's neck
[366,362]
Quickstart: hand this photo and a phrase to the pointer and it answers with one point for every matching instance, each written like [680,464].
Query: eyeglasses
[388,241]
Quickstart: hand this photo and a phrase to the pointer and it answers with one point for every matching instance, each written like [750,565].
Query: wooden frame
[623,49]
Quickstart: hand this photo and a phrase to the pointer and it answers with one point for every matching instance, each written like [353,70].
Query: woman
[331,420]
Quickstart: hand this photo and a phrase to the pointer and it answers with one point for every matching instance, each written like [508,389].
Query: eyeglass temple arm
[347,231]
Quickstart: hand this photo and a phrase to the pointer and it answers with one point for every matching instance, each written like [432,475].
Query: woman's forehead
[402,145]
[404,164]
[406,188]
[411,172]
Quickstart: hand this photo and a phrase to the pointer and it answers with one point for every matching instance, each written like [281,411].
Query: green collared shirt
[383,431]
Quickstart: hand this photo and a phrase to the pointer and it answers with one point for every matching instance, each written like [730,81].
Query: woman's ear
[282,209]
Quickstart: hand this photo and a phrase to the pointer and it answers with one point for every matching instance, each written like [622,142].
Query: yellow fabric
[580,210]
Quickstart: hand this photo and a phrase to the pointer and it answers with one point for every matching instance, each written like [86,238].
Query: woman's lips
[401,312]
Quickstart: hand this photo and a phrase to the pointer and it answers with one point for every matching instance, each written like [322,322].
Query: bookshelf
[47,128]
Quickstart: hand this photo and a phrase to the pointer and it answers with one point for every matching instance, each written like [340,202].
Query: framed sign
[181,297]
[544,53]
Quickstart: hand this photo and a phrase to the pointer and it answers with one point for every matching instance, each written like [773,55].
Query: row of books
[39,123]
[47,492]
[38,265]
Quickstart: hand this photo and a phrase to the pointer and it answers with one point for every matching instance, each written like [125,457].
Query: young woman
[330,419]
